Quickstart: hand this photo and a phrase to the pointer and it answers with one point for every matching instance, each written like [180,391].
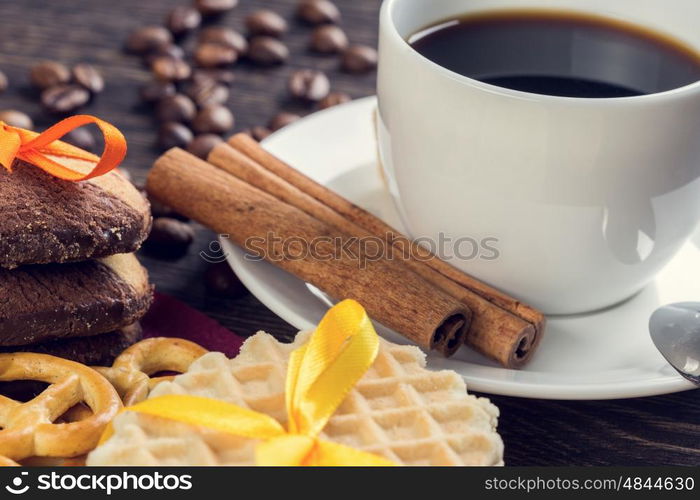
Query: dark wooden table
[662,430]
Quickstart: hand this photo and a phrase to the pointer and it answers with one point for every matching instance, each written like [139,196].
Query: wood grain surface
[662,430]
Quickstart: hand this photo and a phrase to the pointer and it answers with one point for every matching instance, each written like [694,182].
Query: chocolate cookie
[47,220]
[98,350]
[53,301]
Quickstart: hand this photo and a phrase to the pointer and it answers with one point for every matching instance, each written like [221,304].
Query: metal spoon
[675,330]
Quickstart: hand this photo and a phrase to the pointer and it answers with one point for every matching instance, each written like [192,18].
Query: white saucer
[604,355]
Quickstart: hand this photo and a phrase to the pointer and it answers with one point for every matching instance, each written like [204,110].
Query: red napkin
[168,317]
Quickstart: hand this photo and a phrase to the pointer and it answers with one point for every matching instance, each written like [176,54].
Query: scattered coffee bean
[212,55]
[64,98]
[82,138]
[169,237]
[183,19]
[176,108]
[15,118]
[215,119]
[220,280]
[224,36]
[318,12]
[147,39]
[359,59]
[205,91]
[169,50]
[4,82]
[173,135]
[223,76]
[171,69]
[214,7]
[267,51]
[334,99]
[259,133]
[49,74]
[265,22]
[156,90]
[329,39]
[309,85]
[202,144]
[89,77]
[281,120]
[159,209]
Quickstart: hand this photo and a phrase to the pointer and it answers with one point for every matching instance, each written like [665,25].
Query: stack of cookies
[70,284]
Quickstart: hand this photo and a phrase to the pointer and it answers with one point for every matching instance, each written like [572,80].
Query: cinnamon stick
[495,333]
[487,334]
[376,226]
[398,299]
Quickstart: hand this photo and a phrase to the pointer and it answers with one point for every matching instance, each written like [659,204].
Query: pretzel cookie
[132,371]
[34,428]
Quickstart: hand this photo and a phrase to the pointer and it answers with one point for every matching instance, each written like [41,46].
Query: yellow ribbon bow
[320,375]
[44,149]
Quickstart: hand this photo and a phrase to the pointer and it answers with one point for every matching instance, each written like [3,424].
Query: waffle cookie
[54,301]
[48,220]
[399,410]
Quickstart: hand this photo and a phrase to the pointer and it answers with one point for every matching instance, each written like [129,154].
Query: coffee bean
[223,76]
[15,118]
[156,90]
[318,12]
[334,99]
[213,120]
[89,77]
[329,39]
[173,135]
[214,7]
[49,74]
[309,85]
[212,55]
[64,98]
[176,108]
[171,69]
[282,120]
[205,91]
[183,19]
[4,82]
[265,22]
[169,237]
[159,209]
[224,36]
[220,280]
[168,50]
[80,137]
[259,133]
[202,145]
[359,59]
[147,39]
[267,51]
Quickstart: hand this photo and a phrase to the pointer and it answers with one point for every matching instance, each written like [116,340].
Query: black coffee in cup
[559,53]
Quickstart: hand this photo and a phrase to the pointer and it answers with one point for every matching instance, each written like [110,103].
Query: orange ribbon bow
[43,150]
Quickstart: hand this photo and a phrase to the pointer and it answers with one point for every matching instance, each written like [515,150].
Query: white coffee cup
[584,199]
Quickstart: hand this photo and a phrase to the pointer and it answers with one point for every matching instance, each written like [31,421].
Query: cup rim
[388,22]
